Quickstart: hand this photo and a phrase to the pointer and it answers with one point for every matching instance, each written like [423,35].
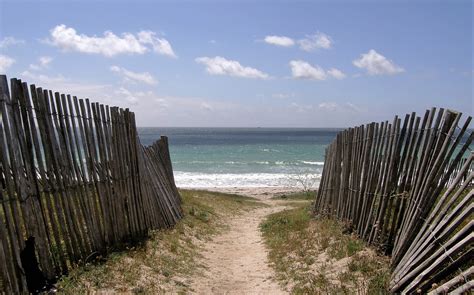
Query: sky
[246,63]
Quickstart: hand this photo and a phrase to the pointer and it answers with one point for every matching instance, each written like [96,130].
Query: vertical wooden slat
[57,173]
[42,237]
[74,176]
[87,164]
[9,204]
[388,183]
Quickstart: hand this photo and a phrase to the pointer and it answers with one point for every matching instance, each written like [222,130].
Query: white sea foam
[270,150]
[313,163]
[194,162]
[201,180]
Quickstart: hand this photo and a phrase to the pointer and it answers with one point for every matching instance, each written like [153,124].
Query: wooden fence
[75,183]
[406,187]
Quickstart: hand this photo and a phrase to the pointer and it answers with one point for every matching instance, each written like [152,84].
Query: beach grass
[301,195]
[312,256]
[168,257]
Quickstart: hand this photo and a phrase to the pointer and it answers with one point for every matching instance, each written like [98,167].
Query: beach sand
[237,260]
[260,193]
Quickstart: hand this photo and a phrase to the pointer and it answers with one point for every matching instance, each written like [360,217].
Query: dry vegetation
[309,256]
[168,258]
[315,256]
[297,196]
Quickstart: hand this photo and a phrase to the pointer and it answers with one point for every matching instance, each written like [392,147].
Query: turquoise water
[244,157]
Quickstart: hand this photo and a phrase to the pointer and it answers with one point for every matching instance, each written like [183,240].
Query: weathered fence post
[407,189]
[75,181]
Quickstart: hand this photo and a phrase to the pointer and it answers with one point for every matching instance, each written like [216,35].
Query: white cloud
[221,66]
[352,107]
[279,41]
[179,102]
[43,62]
[5,63]
[328,106]
[135,97]
[335,73]
[35,67]
[332,107]
[162,102]
[301,108]
[9,41]
[45,79]
[59,83]
[157,109]
[110,44]
[131,98]
[206,106]
[282,95]
[303,70]
[145,77]
[160,45]
[377,64]
[316,41]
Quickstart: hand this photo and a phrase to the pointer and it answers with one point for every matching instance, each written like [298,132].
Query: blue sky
[247,63]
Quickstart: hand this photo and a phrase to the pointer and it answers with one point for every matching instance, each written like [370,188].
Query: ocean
[244,157]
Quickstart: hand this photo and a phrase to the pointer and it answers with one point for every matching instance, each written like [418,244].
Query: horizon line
[241,127]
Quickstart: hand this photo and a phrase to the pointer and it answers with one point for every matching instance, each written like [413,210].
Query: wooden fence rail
[406,187]
[75,182]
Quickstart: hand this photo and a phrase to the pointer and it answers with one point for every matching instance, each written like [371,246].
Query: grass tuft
[315,256]
[297,196]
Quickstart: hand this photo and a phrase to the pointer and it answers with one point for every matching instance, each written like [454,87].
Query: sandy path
[237,259]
